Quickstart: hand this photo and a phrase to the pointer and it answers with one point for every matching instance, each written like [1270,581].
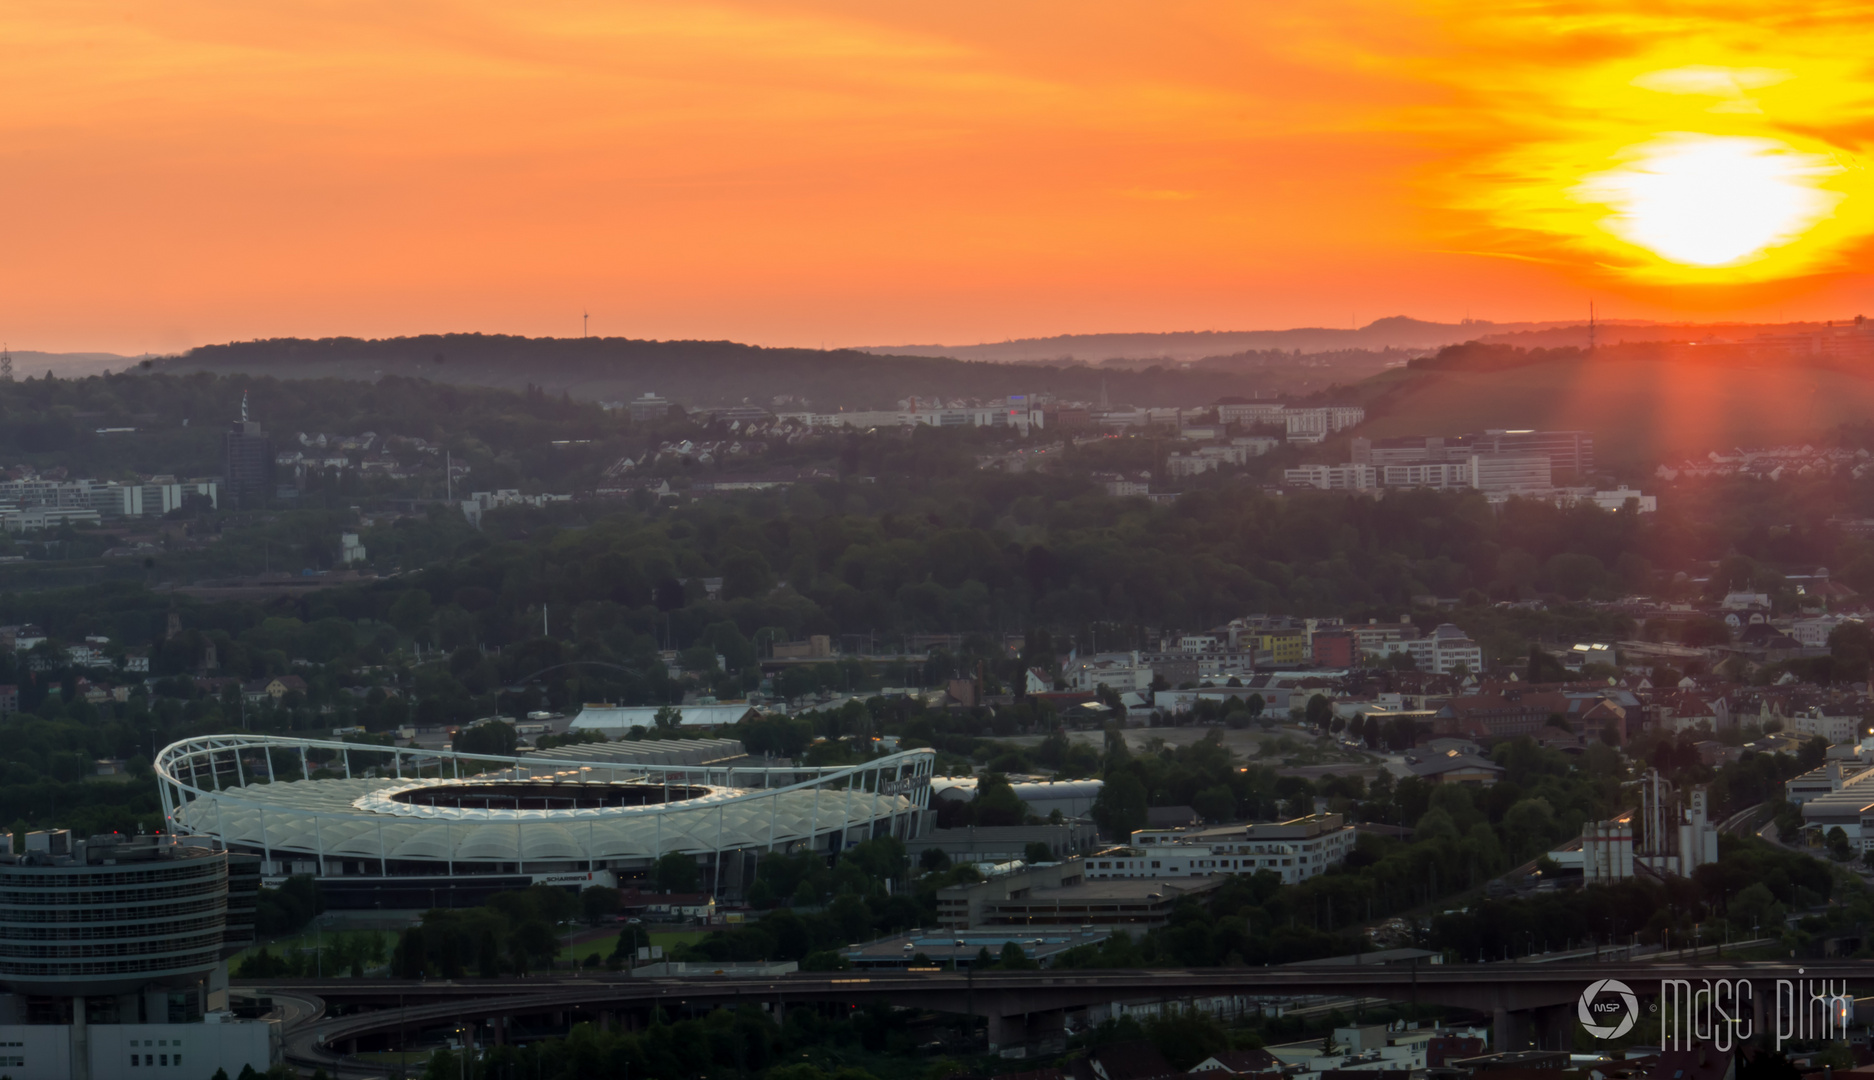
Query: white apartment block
[1316,424]
[1373,635]
[1347,477]
[1836,729]
[1617,499]
[1813,633]
[1251,412]
[1115,671]
[1440,652]
[1296,850]
[1016,416]
[105,498]
[1428,474]
[1182,465]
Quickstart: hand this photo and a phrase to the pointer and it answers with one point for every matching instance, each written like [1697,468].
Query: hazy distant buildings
[1570,454]
[1431,474]
[1237,451]
[1316,424]
[648,409]
[37,503]
[1347,477]
[247,463]
[1511,472]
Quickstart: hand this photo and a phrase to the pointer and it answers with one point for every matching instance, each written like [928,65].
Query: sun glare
[1704,200]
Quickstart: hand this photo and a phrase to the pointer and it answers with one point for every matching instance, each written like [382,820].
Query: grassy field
[1641,412]
[577,953]
[308,942]
[603,946]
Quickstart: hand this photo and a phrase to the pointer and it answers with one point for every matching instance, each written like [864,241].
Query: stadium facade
[398,827]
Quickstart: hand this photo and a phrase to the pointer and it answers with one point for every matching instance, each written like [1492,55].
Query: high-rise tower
[247,461]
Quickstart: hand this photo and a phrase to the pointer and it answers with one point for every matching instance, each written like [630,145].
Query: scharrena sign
[1723,1012]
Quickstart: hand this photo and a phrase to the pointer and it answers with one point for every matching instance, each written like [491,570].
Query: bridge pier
[1024,1028]
[1509,1031]
[1554,1027]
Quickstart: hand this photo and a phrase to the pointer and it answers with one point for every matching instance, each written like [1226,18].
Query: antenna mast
[1591,327]
[585,323]
[6,364]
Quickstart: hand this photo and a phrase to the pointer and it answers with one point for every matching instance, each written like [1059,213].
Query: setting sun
[1713,201]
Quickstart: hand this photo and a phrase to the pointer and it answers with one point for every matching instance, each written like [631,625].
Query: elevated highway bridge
[1527,1003]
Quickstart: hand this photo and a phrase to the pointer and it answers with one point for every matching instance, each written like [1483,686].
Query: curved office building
[399,827]
[136,910]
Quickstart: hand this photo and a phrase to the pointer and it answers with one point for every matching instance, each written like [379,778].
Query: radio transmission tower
[6,364]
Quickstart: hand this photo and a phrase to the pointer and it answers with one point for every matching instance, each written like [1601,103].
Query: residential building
[1116,671]
[1335,649]
[1286,647]
[1431,474]
[1813,632]
[1207,458]
[1238,1062]
[86,655]
[1618,498]
[1333,477]
[275,688]
[1182,465]
[1499,714]
[1441,651]
[1836,729]
[1374,635]
[1119,485]
[1250,412]
[1296,850]
[1313,425]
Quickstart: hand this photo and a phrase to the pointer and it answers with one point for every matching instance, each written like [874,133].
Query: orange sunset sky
[846,172]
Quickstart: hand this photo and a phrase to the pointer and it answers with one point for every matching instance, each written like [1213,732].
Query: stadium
[399,827]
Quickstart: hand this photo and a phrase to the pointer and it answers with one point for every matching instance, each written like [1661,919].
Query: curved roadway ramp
[1019,1007]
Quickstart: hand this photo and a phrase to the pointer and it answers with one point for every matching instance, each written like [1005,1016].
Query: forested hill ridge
[700,373]
[1392,332]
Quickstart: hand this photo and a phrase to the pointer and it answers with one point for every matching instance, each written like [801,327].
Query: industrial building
[1661,836]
